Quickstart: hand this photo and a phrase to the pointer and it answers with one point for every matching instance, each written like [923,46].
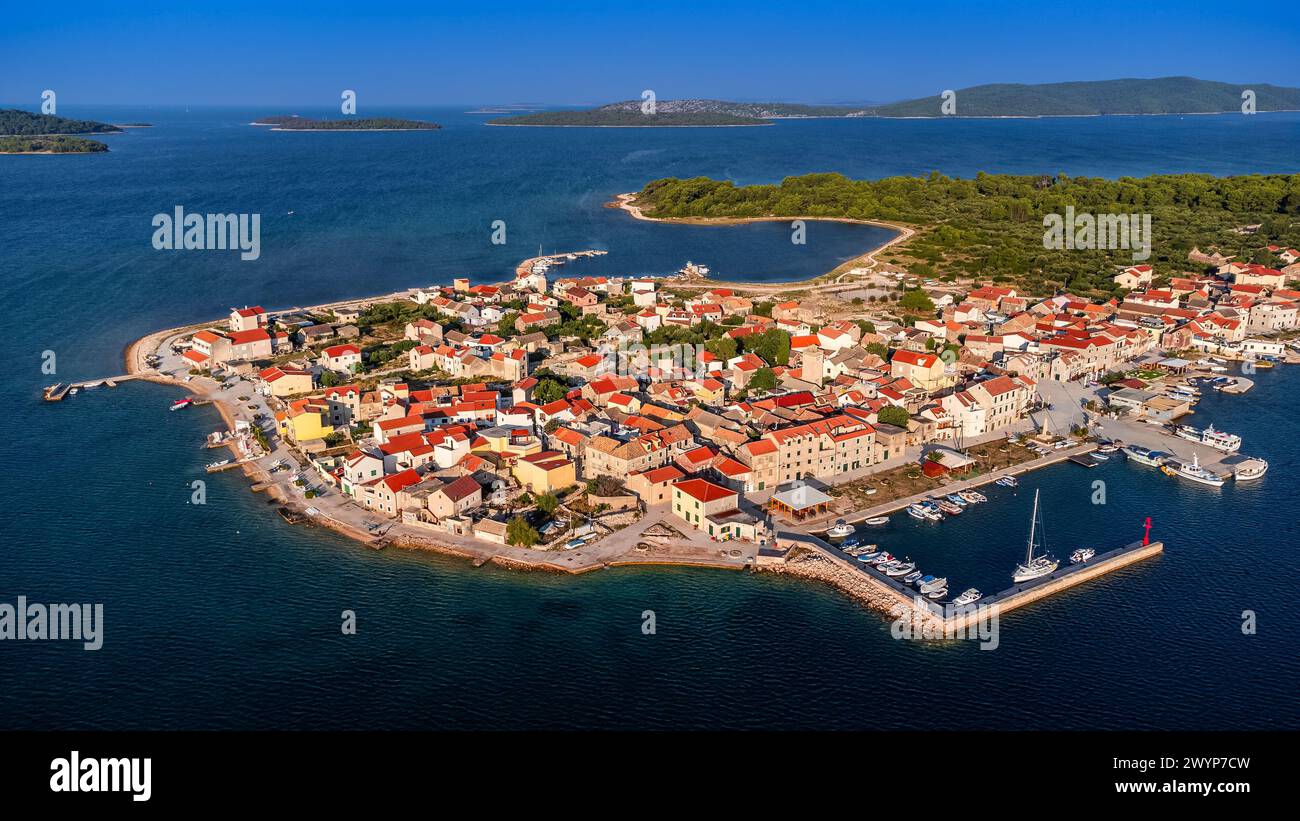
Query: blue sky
[499,51]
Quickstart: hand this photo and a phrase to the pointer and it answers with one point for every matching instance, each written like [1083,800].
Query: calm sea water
[222,616]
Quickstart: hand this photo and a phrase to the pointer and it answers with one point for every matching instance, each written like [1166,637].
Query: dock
[57,391]
[953,619]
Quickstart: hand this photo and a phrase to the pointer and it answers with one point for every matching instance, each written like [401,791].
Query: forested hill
[993,225]
[1165,95]
[15,122]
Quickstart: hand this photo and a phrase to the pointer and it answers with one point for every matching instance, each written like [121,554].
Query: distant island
[1164,95]
[17,123]
[292,122]
[50,145]
[669,113]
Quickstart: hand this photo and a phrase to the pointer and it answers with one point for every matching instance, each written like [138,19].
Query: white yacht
[969,597]
[840,529]
[1144,456]
[1082,555]
[1034,566]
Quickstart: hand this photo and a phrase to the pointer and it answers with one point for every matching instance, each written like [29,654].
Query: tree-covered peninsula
[992,226]
[18,123]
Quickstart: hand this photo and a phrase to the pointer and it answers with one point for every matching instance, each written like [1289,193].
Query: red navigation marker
[1146,537]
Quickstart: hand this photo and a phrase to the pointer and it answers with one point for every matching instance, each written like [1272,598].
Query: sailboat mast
[1029,555]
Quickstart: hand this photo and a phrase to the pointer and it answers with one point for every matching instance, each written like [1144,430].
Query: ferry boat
[181,404]
[1143,456]
[932,585]
[1251,469]
[1034,566]
[1216,439]
[1196,473]
[840,529]
[1082,555]
[877,520]
[969,597]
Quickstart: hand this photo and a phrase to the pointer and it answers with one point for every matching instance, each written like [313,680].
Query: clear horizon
[246,54]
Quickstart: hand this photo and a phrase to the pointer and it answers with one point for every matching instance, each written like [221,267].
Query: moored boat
[901,569]
[937,594]
[971,596]
[948,507]
[1034,566]
[911,577]
[1143,456]
[1194,472]
[840,529]
[974,496]
[181,404]
[1082,555]
[1250,469]
[1008,481]
[932,585]
[877,520]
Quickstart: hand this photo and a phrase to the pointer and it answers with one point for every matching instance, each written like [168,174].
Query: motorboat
[1082,555]
[925,580]
[974,496]
[916,512]
[1196,473]
[932,585]
[840,529]
[1250,469]
[937,594]
[969,597]
[1008,481]
[900,569]
[182,404]
[911,577]
[1107,447]
[957,499]
[866,557]
[948,507]
[1143,456]
[1035,566]
[884,558]
[877,520]
[1100,457]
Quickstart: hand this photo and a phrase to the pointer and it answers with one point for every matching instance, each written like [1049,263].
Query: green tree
[519,532]
[549,390]
[762,380]
[916,301]
[547,503]
[893,415]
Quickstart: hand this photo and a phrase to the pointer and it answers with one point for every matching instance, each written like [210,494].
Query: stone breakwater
[815,567]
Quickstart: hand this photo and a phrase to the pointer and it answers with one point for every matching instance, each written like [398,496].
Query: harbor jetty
[811,557]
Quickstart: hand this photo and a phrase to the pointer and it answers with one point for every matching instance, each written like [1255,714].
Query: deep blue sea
[221,616]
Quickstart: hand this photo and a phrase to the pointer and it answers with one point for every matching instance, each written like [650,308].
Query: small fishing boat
[877,520]
[925,580]
[1008,481]
[1250,469]
[840,529]
[1082,555]
[866,557]
[916,512]
[851,541]
[973,496]
[932,585]
[1100,457]
[1107,447]
[948,507]
[937,594]
[901,569]
[181,404]
[956,499]
[911,577]
[72,391]
[969,597]
[884,558]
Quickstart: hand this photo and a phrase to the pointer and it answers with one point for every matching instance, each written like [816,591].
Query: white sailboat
[1034,566]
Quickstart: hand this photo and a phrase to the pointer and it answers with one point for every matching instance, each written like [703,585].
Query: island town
[579,422]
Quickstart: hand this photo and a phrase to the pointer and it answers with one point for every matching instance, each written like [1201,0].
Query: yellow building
[306,421]
[286,381]
[545,472]
[924,370]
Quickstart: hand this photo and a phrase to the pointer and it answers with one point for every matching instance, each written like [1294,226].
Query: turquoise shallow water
[222,616]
